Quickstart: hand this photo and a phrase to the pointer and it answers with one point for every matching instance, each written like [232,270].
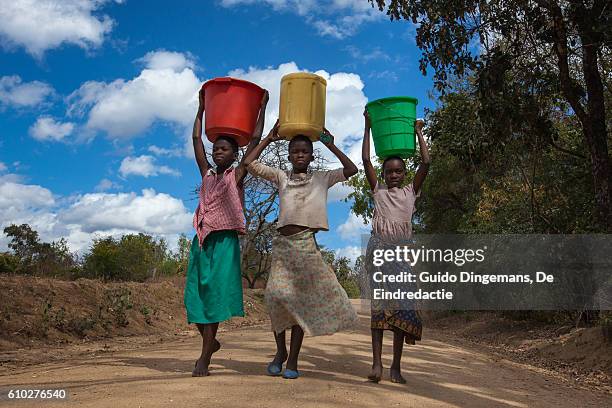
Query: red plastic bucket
[231,107]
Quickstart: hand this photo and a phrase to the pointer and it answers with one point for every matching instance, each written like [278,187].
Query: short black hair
[229,140]
[388,159]
[301,138]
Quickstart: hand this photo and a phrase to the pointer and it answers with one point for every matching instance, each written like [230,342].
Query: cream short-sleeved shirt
[303,198]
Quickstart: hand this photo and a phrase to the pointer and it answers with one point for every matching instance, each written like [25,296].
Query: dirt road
[333,368]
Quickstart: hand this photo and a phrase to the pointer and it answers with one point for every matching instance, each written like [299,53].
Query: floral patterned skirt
[303,290]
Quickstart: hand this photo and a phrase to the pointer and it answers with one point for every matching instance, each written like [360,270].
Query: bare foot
[396,376]
[376,373]
[201,368]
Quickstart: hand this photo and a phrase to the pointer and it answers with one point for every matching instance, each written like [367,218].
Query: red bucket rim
[231,79]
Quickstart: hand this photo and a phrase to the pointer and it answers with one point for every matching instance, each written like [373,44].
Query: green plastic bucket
[392,120]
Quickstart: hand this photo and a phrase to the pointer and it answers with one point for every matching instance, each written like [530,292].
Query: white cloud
[127,108]
[386,75]
[144,166]
[162,59]
[155,213]
[352,229]
[335,18]
[350,252]
[81,218]
[47,128]
[338,192]
[3,167]
[106,184]
[345,101]
[40,25]
[166,90]
[366,56]
[24,204]
[15,92]
[11,178]
[20,196]
[161,151]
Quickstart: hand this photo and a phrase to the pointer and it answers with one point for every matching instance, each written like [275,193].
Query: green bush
[8,263]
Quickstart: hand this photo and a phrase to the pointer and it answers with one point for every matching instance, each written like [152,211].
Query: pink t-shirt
[220,206]
[393,209]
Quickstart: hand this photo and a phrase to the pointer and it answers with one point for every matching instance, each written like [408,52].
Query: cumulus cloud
[166,90]
[344,102]
[161,151]
[106,184]
[163,59]
[338,192]
[3,167]
[352,228]
[336,18]
[16,93]
[375,54]
[20,196]
[40,25]
[47,128]
[350,252]
[24,204]
[144,166]
[81,218]
[156,213]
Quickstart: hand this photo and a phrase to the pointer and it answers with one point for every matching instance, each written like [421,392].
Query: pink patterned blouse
[220,206]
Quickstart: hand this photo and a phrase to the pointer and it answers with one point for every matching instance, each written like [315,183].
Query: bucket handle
[394,110]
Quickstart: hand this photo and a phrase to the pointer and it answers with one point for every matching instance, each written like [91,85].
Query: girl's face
[300,155]
[394,173]
[223,154]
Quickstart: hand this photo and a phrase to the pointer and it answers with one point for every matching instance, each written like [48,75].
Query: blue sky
[97,99]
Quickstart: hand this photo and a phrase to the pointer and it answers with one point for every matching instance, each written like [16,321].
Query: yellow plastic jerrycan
[302,105]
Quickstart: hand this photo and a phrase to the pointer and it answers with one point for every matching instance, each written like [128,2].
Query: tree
[32,257]
[347,276]
[182,255]
[131,257]
[542,57]
[478,185]
[24,243]
[103,259]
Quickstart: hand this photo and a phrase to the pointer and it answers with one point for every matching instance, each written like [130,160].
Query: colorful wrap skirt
[303,290]
[213,288]
[385,315]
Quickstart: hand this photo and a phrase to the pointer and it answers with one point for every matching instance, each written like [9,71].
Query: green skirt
[213,289]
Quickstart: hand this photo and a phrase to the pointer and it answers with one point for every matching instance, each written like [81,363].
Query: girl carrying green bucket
[392,226]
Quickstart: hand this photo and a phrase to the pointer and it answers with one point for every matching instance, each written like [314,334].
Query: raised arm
[349,167]
[421,173]
[241,171]
[198,146]
[370,173]
[257,150]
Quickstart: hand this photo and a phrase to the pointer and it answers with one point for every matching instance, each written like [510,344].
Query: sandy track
[333,368]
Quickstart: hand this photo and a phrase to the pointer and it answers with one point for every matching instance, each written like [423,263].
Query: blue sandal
[275,369]
[291,374]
